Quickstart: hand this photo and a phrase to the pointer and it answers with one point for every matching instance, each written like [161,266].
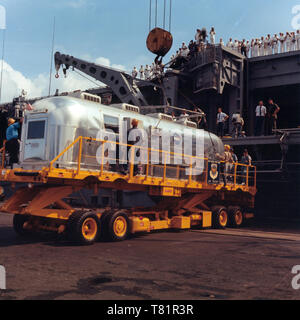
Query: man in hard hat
[228,163]
[12,141]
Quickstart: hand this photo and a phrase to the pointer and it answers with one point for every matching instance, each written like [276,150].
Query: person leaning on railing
[226,164]
[246,161]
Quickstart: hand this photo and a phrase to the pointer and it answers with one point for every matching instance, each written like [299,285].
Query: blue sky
[116,30]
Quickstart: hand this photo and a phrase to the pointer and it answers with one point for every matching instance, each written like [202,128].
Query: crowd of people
[279,43]
[229,161]
[148,72]
[266,120]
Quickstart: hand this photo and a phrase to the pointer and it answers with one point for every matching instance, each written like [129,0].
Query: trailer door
[35,141]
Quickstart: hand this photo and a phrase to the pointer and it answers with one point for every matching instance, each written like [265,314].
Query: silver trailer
[55,123]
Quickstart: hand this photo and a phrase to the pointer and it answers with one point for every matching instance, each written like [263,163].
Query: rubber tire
[74,227]
[232,221]
[104,236]
[216,211]
[110,219]
[18,223]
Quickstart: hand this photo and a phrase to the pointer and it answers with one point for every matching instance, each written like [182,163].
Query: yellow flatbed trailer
[184,201]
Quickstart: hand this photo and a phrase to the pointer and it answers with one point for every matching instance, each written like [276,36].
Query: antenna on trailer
[52,53]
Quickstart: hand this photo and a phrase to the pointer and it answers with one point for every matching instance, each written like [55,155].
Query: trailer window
[111,123]
[36,130]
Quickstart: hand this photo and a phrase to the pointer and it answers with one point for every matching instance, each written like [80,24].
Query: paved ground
[248,264]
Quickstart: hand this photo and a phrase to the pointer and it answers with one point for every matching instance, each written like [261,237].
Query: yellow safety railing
[234,174]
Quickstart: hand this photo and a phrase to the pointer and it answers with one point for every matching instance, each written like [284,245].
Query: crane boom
[122,84]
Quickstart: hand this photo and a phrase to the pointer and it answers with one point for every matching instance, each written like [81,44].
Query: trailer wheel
[19,221]
[236,217]
[220,217]
[118,226]
[84,227]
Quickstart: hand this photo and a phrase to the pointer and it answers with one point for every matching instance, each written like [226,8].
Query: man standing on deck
[247,161]
[273,116]
[221,119]
[212,36]
[12,141]
[142,73]
[275,44]
[147,72]
[261,112]
[198,36]
[134,73]
[229,44]
[282,39]
[244,48]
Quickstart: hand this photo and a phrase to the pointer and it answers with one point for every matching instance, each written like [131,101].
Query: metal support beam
[123,85]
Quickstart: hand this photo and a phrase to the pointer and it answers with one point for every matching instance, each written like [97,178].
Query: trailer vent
[161,116]
[191,124]
[126,107]
[187,123]
[84,96]
[129,107]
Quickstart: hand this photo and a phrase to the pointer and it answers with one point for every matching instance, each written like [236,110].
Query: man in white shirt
[282,42]
[229,44]
[256,48]
[147,72]
[212,36]
[236,45]
[248,47]
[260,112]
[142,72]
[184,116]
[198,36]
[293,42]
[221,119]
[269,45]
[184,50]
[275,44]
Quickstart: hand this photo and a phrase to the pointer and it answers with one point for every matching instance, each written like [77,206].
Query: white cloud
[106,62]
[14,81]
[103,61]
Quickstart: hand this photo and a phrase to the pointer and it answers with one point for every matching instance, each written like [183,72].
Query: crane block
[159,41]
